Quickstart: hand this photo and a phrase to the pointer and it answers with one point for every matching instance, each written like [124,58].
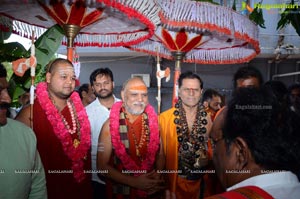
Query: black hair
[209,94]
[247,72]
[83,87]
[102,72]
[271,133]
[189,75]
[279,90]
[294,99]
[292,87]
[3,72]
[53,64]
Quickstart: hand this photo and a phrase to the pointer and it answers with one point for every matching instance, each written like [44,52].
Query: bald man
[62,129]
[129,144]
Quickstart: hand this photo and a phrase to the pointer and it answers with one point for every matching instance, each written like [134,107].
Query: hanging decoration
[201,33]
[101,23]
[20,66]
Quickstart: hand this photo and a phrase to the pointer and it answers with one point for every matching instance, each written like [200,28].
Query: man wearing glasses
[256,147]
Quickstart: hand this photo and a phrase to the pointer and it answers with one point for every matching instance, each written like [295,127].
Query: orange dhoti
[183,188]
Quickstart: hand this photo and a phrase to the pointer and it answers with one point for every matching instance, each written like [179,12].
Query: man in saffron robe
[212,99]
[257,147]
[128,147]
[184,132]
[63,132]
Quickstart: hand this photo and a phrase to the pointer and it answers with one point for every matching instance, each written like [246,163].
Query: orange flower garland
[77,153]
[119,147]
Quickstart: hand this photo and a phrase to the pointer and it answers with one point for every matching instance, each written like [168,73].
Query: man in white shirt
[256,147]
[102,83]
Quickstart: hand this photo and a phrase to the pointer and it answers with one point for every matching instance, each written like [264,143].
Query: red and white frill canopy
[206,33]
[103,23]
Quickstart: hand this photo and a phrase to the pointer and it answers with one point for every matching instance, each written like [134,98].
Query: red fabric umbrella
[102,23]
[72,17]
[203,33]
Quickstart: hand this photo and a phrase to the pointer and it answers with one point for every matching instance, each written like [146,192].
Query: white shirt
[280,185]
[97,114]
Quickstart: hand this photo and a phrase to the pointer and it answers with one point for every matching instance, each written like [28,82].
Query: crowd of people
[91,144]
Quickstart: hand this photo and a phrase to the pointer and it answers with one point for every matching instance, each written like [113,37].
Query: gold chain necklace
[144,135]
[74,119]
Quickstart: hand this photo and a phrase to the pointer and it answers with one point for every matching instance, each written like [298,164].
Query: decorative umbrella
[203,33]
[102,23]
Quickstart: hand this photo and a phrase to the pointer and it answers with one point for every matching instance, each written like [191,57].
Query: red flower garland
[119,147]
[76,155]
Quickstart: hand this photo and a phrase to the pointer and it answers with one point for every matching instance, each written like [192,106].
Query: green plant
[257,16]
[291,15]
[45,48]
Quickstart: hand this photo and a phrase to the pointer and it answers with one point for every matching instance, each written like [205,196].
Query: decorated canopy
[203,33]
[100,23]
[206,33]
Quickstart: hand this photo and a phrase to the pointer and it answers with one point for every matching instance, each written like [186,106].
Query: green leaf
[291,15]
[17,86]
[4,35]
[257,17]
[234,5]
[12,51]
[295,21]
[284,20]
[47,44]
[6,28]
[45,48]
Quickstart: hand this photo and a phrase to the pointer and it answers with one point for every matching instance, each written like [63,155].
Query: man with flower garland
[129,145]
[63,135]
[184,132]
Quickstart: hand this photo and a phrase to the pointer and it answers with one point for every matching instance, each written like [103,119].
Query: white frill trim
[202,16]
[221,56]
[230,55]
[145,11]
[148,8]
[200,13]
[199,17]
[26,30]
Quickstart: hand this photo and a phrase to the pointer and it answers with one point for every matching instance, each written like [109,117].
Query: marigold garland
[78,154]
[119,147]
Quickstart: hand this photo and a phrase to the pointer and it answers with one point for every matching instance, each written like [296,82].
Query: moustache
[139,104]
[4,106]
